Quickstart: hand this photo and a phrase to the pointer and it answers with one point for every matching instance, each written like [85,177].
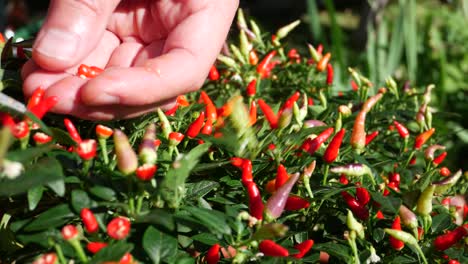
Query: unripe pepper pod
[354,225]
[89,220]
[422,138]
[403,236]
[165,124]
[147,151]
[253,57]
[276,203]
[270,248]
[424,203]
[118,228]
[331,153]
[429,152]
[446,183]
[127,160]
[212,255]
[323,62]
[395,243]
[303,248]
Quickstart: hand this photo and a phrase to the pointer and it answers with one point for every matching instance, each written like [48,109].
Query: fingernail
[104,98]
[58,44]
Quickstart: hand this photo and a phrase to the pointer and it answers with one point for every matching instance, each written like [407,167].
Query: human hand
[151,50]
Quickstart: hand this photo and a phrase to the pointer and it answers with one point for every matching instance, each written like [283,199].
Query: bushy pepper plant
[268,163]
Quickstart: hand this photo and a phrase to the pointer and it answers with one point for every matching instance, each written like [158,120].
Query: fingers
[72,29]
[188,53]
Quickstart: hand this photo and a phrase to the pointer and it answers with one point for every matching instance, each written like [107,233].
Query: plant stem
[60,255]
[103,145]
[325,174]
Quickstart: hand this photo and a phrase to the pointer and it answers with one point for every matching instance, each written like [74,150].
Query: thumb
[72,29]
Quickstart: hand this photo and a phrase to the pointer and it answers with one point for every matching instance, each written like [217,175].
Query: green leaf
[104,193]
[173,186]
[388,204]
[38,238]
[213,220]
[80,200]
[200,189]
[158,245]
[113,252]
[29,154]
[45,171]
[158,217]
[34,197]
[335,249]
[62,137]
[54,217]
[205,238]
[58,187]
[441,222]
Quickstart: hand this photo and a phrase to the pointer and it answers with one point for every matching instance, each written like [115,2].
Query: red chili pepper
[253,57]
[270,116]
[72,130]
[237,162]
[255,200]
[94,247]
[207,128]
[194,128]
[87,149]
[262,67]
[83,71]
[275,205]
[281,176]
[439,159]
[246,172]
[290,102]
[395,243]
[41,138]
[320,49]
[354,85]
[49,258]
[343,179]
[358,135]
[362,195]
[358,209]
[252,88]
[146,172]
[293,54]
[2,38]
[212,255]
[453,261]
[370,137]
[402,130]
[253,113]
[94,71]
[270,248]
[175,138]
[379,215]
[313,145]
[126,259]
[118,228]
[69,232]
[89,220]
[44,106]
[331,153]
[7,121]
[209,106]
[329,74]
[422,138]
[394,177]
[36,97]
[322,64]
[21,130]
[103,131]
[303,248]
[214,74]
[444,171]
[450,238]
[295,203]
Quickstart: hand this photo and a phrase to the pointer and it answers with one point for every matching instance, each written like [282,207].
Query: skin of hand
[152,51]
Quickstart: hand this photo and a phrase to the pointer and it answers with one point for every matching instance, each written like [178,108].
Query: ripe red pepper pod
[21,130]
[89,220]
[295,203]
[450,238]
[253,113]
[281,176]
[402,130]
[323,62]
[86,149]
[303,248]
[331,153]
[422,138]
[94,247]
[276,203]
[251,88]
[290,101]
[146,171]
[41,138]
[127,160]
[429,152]
[358,135]
[36,97]
[256,205]
[210,107]
[253,57]
[370,137]
[444,172]
[48,258]
[175,138]
[118,228]
[212,255]
[103,132]
[72,130]
[237,162]
[246,171]
[214,74]
[394,177]
[207,128]
[358,209]
[262,67]
[329,74]
[439,159]
[270,248]
[194,128]
[313,145]
[394,242]
[70,232]
[40,109]
[363,195]
[270,116]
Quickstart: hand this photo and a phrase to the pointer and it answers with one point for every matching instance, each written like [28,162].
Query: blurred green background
[416,42]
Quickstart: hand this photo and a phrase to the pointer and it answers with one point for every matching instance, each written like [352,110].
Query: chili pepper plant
[316,173]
